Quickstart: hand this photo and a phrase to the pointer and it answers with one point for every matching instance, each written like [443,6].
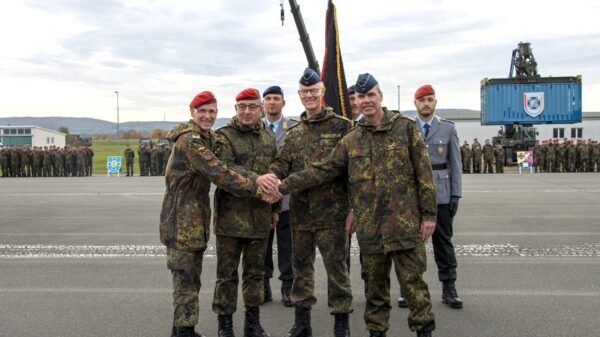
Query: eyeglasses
[252,107]
[210,111]
[305,92]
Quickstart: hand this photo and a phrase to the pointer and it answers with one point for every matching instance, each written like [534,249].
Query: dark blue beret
[352,90]
[273,90]
[309,77]
[365,83]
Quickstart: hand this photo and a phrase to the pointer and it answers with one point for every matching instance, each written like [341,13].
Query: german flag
[332,75]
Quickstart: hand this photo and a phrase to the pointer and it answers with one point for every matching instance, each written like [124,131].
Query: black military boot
[423,333]
[286,291]
[225,326]
[184,331]
[376,333]
[268,292]
[341,327]
[402,302]
[252,327]
[426,330]
[449,295]
[301,327]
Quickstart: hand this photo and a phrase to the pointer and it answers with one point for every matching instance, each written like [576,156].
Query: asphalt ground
[81,257]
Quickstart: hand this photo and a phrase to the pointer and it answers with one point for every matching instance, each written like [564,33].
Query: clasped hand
[269,184]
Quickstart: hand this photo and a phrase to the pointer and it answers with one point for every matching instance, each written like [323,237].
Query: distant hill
[91,126]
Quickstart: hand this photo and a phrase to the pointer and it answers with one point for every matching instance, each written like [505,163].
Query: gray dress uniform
[444,153]
[284,235]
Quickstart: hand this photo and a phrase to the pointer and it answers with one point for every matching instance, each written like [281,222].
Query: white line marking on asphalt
[472,250]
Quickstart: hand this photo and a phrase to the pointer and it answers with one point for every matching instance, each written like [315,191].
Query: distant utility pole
[117,137]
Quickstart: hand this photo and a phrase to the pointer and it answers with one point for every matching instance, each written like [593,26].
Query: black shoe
[341,327]
[450,296]
[225,326]
[376,333]
[402,302]
[423,333]
[252,327]
[301,327]
[286,290]
[184,331]
[268,293]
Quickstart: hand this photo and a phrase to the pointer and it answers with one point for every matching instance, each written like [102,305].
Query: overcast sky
[67,57]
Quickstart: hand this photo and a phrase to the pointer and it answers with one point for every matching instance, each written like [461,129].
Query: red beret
[424,91]
[248,94]
[205,97]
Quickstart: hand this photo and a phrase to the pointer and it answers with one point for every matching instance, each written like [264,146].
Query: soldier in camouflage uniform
[26,161]
[488,157]
[242,224]
[583,155]
[154,161]
[4,161]
[318,215]
[384,151]
[89,160]
[467,157]
[499,158]
[537,157]
[47,162]
[571,156]
[477,154]
[550,157]
[595,157]
[129,157]
[185,214]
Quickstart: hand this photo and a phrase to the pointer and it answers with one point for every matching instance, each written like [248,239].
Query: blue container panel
[505,103]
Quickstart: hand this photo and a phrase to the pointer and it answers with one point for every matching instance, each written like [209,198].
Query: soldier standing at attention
[467,157]
[595,157]
[4,161]
[537,157]
[499,158]
[242,225]
[561,156]
[476,147]
[129,157]
[317,216]
[488,157]
[26,161]
[273,102]
[583,156]
[392,224]
[185,213]
[550,157]
[441,141]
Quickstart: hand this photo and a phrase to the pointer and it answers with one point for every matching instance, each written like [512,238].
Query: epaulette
[407,117]
[341,117]
[445,120]
[223,127]
[295,125]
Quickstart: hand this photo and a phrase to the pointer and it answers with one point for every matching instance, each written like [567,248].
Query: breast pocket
[438,150]
[359,166]
[328,141]
[398,158]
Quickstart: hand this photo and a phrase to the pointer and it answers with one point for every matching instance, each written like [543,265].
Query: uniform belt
[436,167]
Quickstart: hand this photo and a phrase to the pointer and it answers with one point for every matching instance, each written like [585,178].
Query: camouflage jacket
[185,213]
[248,151]
[129,155]
[323,206]
[390,182]
[488,152]
[499,155]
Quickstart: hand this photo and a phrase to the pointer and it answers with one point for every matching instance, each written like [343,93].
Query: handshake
[269,185]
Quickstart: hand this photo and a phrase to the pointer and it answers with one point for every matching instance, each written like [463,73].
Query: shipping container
[530,101]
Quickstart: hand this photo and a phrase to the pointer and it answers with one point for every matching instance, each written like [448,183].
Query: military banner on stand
[525,160]
[113,165]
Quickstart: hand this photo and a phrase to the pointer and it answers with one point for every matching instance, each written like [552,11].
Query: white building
[468,126]
[31,135]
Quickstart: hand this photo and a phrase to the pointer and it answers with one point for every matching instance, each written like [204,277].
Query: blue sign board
[113,164]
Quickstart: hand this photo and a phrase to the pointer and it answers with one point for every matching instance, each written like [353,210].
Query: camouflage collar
[326,113]
[386,122]
[191,126]
[235,123]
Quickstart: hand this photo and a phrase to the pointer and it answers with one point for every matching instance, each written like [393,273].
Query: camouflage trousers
[332,244]
[477,165]
[186,267]
[410,265]
[229,251]
[488,166]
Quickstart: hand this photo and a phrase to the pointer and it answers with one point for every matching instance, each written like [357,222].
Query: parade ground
[82,257]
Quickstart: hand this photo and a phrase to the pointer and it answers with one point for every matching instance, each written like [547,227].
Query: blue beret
[352,90]
[273,90]
[309,77]
[365,83]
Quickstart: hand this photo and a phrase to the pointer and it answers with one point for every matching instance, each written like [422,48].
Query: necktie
[272,127]
[426,126]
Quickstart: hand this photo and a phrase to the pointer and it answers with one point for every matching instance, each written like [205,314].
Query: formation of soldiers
[153,159]
[569,156]
[49,161]
[548,156]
